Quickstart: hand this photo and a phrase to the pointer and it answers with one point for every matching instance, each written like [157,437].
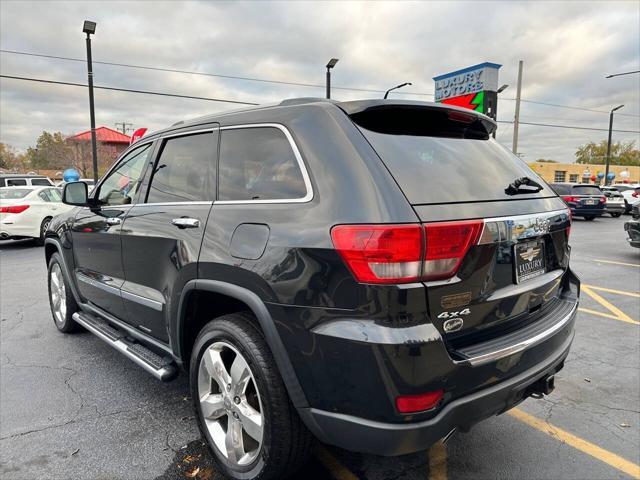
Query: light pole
[606,169]
[396,87]
[330,65]
[90,28]
[494,108]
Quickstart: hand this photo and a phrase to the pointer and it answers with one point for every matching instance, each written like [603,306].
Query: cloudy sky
[568,48]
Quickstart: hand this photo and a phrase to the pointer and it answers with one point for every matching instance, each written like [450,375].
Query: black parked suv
[584,200]
[375,274]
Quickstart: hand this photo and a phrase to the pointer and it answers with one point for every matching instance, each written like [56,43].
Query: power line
[282,82]
[568,126]
[145,92]
[163,94]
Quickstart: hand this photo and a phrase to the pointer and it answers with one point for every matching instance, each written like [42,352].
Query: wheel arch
[265,322]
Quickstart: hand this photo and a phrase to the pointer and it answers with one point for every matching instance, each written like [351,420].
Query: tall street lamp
[606,170]
[620,74]
[396,87]
[330,65]
[494,108]
[90,28]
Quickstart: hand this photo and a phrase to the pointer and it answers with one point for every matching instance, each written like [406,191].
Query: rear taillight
[381,253]
[569,199]
[14,209]
[418,403]
[447,244]
[635,194]
[397,253]
[603,199]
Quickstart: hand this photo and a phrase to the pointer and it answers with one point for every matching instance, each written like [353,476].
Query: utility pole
[124,127]
[90,28]
[606,169]
[516,121]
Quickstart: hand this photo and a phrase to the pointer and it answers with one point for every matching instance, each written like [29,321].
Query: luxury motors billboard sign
[472,87]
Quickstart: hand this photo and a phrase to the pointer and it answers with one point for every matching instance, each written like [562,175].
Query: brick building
[581,173]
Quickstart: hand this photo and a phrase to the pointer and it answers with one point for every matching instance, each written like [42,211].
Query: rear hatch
[496,249]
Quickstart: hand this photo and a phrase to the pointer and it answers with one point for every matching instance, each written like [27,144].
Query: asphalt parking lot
[71,407]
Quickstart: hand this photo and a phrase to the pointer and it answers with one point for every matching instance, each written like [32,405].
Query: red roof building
[103,135]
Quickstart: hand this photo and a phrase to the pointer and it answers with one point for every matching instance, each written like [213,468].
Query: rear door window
[561,189]
[259,163]
[185,170]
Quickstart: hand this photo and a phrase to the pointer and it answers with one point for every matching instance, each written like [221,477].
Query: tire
[627,207]
[616,214]
[283,444]
[43,229]
[589,217]
[62,309]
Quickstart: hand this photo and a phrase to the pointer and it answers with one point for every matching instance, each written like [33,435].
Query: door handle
[186,222]
[113,221]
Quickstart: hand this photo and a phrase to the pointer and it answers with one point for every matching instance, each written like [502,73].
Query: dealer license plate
[529,260]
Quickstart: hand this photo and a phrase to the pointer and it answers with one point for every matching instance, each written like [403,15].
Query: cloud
[568,48]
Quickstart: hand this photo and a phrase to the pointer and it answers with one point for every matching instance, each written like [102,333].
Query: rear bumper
[389,439]
[615,208]
[587,212]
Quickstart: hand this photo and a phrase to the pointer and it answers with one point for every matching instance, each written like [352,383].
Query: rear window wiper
[523,185]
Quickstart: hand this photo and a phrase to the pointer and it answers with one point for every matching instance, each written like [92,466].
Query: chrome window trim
[174,204]
[94,283]
[187,133]
[296,152]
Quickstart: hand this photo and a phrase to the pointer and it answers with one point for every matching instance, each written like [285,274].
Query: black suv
[375,274]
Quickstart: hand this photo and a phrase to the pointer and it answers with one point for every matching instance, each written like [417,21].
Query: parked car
[632,227]
[25,212]
[614,204]
[630,193]
[584,200]
[20,180]
[310,268]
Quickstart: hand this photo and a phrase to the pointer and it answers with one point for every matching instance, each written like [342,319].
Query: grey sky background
[568,48]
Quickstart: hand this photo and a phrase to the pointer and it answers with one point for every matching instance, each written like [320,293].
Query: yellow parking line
[331,463]
[617,263]
[600,314]
[438,462]
[613,309]
[578,443]
[611,290]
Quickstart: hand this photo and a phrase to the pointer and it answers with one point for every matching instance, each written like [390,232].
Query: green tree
[622,153]
[51,151]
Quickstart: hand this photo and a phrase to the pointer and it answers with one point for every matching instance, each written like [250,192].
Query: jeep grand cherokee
[374,274]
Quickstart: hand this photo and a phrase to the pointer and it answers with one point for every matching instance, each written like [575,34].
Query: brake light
[603,199]
[569,199]
[381,253]
[14,209]
[418,403]
[447,244]
[635,195]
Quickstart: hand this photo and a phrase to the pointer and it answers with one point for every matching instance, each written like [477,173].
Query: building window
[559,176]
[573,178]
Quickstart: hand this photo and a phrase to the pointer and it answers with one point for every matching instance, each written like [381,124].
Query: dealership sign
[472,87]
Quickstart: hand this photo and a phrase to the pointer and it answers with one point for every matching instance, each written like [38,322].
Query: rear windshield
[13,193]
[432,169]
[586,190]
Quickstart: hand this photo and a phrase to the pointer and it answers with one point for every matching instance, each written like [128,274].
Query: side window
[55,195]
[185,170]
[258,164]
[16,182]
[44,196]
[40,182]
[120,187]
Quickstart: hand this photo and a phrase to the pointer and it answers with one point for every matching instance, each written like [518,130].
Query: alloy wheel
[230,403]
[58,294]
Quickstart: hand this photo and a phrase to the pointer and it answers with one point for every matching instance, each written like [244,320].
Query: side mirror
[76,193]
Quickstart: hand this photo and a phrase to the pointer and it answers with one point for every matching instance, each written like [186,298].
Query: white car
[25,212]
[630,192]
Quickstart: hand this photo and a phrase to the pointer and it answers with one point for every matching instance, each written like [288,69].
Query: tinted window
[40,182]
[433,170]
[185,171]
[120,187]
[14,193]
[258,164]
[561,189]
[16,182]
[586,190]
